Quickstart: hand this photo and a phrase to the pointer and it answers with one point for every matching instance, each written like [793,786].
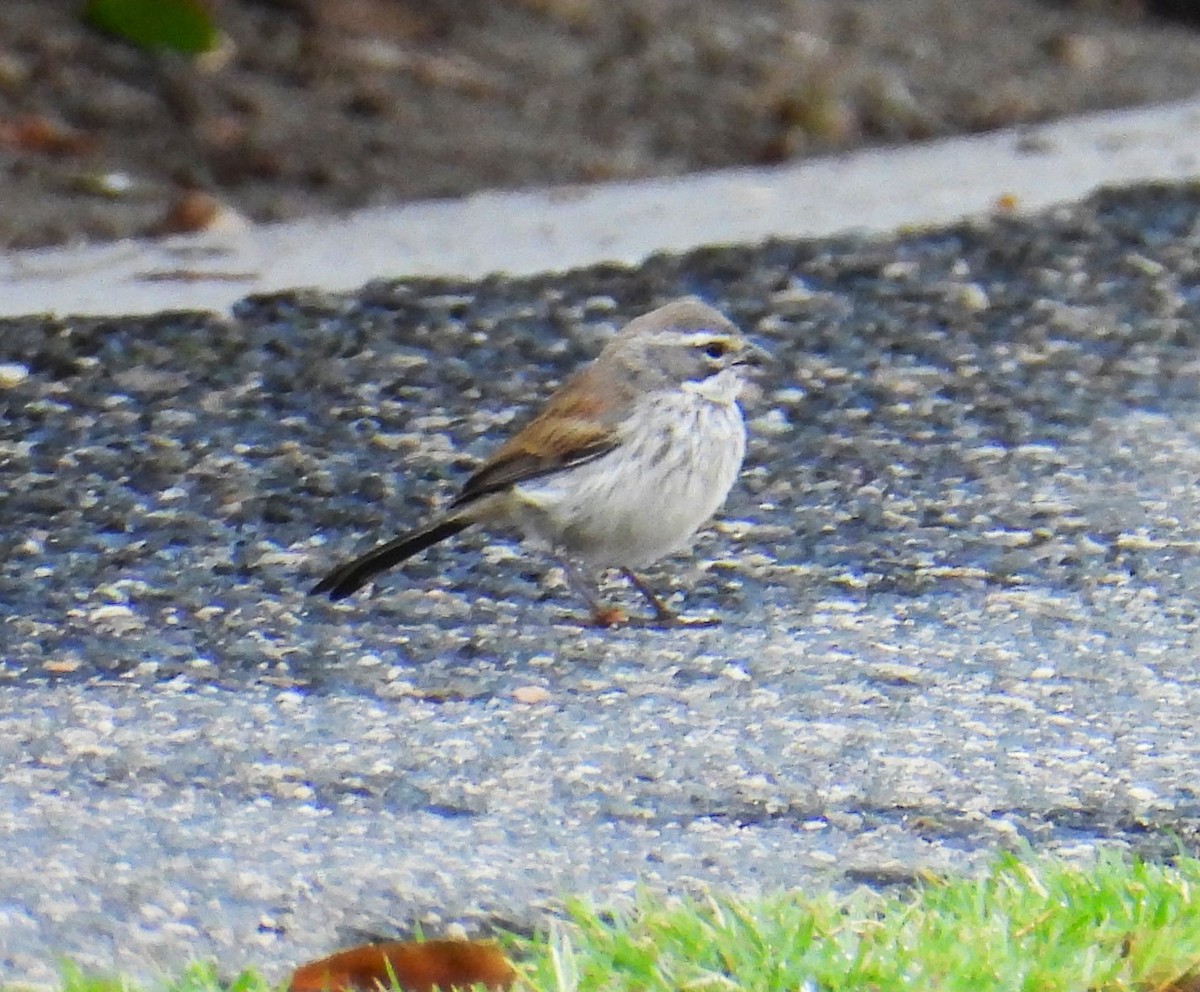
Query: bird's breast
[678,458]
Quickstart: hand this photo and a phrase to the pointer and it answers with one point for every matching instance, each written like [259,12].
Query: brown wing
[578,423]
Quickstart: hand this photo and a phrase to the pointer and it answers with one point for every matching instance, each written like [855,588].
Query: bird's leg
[662,612]
[664,616]
[585,589]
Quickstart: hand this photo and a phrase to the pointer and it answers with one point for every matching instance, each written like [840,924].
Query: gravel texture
[322,105]
[959,581]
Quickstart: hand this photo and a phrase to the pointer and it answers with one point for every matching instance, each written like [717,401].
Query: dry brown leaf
[416,967]
[35,133]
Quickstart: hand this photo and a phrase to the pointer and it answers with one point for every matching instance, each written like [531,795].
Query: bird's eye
[716,349]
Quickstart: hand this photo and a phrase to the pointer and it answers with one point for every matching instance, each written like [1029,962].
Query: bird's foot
[609,616]
[612,617]
[669,619]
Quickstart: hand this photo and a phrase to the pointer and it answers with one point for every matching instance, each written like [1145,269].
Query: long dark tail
[353,575]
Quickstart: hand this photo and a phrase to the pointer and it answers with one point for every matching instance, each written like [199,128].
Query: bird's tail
[353,575]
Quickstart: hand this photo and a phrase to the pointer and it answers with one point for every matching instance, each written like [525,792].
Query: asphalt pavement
[958,580]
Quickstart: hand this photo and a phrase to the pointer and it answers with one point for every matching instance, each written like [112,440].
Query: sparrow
[621,467]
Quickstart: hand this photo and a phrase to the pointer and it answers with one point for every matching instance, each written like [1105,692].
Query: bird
[625,461]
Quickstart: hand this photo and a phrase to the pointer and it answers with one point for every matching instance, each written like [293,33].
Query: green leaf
[179,25]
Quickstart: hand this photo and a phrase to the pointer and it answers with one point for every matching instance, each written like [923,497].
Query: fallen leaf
[35,133]
[415,966]
[196,210]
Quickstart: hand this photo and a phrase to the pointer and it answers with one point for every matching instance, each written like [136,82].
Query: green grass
[197,978]
[1027,924]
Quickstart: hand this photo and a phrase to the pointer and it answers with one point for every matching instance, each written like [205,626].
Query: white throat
[723,388]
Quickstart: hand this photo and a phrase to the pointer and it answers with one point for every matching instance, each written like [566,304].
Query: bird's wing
[578,423]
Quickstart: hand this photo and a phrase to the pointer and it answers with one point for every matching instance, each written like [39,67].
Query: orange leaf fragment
[417,967]
[1006,203]
[35,133]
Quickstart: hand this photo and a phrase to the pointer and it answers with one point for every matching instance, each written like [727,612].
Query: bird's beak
[756,357]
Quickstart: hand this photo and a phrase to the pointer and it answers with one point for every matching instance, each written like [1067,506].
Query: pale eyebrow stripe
[696,337]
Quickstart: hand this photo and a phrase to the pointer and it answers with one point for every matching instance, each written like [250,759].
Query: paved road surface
[959,582]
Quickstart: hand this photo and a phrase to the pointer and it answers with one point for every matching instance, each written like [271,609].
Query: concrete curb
[1026,169]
